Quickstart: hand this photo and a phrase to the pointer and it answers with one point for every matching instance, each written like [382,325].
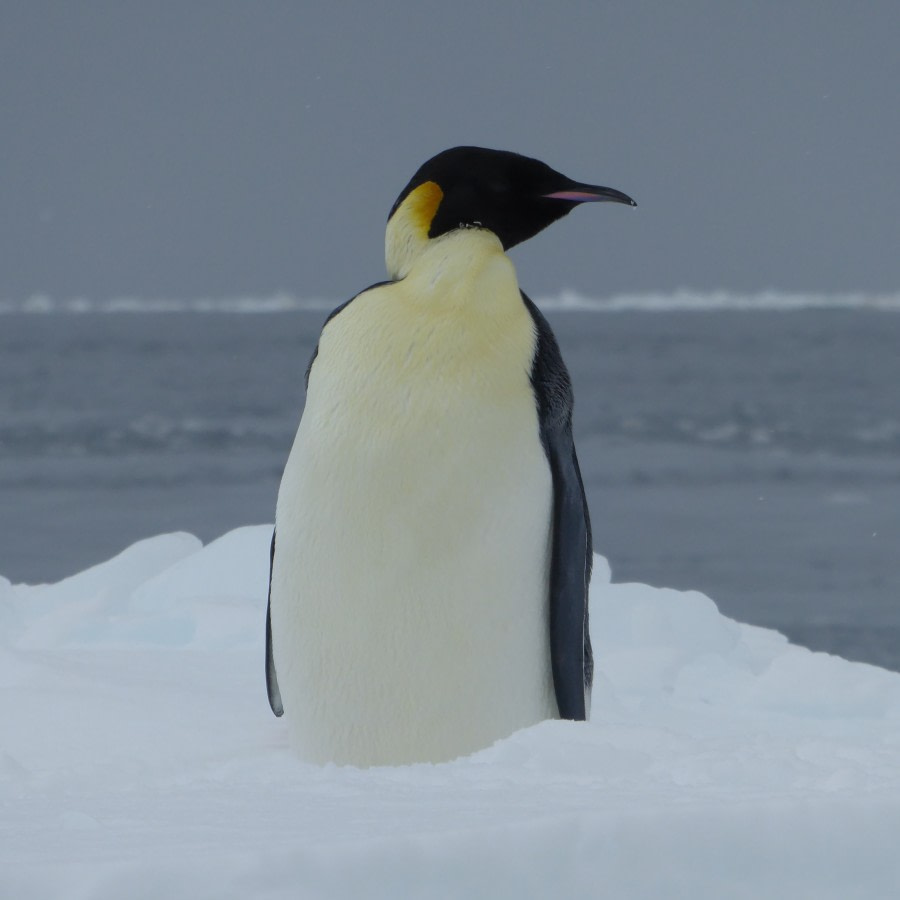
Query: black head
[513,196]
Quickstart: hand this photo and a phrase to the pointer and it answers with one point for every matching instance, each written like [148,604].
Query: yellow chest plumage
[456,315]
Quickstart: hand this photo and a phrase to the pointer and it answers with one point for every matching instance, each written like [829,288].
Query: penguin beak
[591,193]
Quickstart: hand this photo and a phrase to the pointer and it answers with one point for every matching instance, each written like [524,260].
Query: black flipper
[572,553]
[271,677]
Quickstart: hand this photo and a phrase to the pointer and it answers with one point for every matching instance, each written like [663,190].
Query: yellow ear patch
[407,230]
[422,204]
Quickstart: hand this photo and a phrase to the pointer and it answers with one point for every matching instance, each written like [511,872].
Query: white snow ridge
[139,759]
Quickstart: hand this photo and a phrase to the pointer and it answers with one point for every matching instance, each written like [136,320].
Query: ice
[138,758]
[683,300]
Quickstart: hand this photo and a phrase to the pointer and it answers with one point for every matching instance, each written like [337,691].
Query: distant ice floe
[683,300]
[138,757]
[720,301]
[41,304]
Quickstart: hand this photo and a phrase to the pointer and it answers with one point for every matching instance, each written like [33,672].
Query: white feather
[409,592]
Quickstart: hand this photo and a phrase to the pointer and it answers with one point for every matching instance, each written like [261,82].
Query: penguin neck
[450,265]
[459,265]
[406,236]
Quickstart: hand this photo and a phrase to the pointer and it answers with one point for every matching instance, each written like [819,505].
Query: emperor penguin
[429,572]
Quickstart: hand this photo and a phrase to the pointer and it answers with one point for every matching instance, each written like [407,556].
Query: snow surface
[139,759]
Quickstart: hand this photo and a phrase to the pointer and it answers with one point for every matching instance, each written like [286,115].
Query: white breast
[409,594]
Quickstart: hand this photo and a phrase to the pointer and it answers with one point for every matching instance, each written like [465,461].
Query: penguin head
[510,195]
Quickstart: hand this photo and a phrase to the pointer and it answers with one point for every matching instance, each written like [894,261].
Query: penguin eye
[498,185]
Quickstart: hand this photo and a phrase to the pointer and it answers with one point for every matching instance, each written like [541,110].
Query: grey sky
[215,149]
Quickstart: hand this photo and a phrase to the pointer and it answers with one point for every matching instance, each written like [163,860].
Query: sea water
[747,450]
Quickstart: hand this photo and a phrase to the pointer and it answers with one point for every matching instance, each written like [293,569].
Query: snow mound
[138,758]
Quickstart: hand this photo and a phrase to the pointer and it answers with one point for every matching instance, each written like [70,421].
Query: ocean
[748,448]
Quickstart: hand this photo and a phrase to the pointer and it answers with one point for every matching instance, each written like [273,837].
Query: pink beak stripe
[575,196]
